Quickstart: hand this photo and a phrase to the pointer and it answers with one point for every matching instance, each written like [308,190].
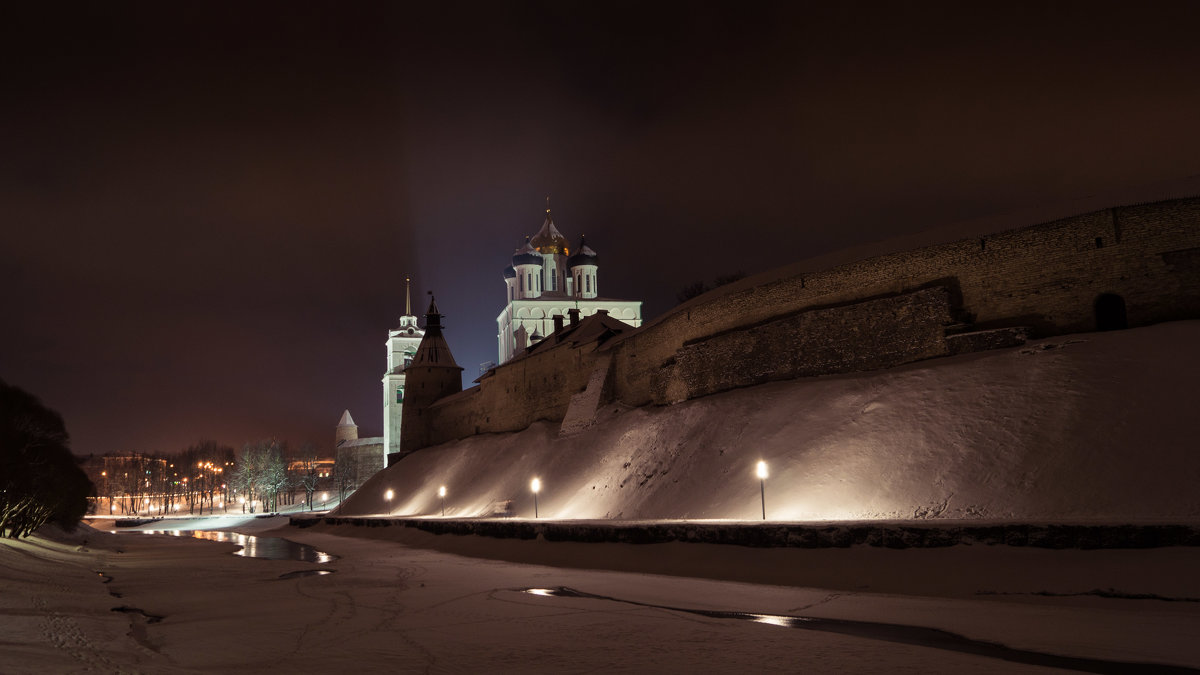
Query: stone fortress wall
[1132,265]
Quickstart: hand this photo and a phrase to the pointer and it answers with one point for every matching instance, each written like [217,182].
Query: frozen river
[185,605]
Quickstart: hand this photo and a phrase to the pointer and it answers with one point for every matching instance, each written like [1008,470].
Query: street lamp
[762,485]
[442,494]
[388,495]
[536,486]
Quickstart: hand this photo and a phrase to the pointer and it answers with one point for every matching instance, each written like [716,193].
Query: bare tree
[345,473]
[310,472]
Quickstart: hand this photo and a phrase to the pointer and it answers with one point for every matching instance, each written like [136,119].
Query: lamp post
[762,485]
[536,486]
[442,494]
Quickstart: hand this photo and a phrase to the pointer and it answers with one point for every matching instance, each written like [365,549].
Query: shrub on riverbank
[40,480]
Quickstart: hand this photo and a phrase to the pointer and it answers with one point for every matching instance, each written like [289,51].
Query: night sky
[207,210]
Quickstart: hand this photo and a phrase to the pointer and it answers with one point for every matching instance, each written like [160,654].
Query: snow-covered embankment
[1088,427]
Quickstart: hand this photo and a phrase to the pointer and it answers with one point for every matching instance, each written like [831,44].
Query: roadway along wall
[793,535]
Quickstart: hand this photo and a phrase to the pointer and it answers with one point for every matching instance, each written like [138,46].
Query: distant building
[356,459]
[545,281]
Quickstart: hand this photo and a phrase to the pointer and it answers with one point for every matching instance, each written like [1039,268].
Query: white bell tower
[402,345]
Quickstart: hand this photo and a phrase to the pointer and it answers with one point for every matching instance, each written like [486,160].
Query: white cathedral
[545,281]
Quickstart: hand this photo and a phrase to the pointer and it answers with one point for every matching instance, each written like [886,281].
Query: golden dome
[549,240]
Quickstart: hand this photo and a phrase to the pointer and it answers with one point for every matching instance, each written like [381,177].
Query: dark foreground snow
[403,600]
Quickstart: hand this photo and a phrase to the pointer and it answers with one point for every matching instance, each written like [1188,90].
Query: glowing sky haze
[209,209]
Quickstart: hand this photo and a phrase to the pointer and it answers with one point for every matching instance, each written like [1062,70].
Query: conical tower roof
[347,420]
[433,350]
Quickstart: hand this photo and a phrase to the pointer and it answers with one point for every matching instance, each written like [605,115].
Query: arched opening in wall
[1110,312]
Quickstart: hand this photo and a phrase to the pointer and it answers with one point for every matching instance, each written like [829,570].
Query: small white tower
[402,346]
[584,265]
[527,263]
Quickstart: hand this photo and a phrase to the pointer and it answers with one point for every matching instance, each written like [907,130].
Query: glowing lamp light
[442,494]
[389,494]
[761,472]
[536,486]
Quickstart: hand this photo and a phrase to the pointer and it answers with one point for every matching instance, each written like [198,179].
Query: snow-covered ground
[1089,427]
[397,603]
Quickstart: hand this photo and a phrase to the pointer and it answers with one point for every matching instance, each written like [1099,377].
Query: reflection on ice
[777,620]
[266,548]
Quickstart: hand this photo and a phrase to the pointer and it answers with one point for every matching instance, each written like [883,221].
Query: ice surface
[400,605]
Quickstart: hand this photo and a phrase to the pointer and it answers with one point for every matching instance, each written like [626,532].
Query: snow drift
[1088,427]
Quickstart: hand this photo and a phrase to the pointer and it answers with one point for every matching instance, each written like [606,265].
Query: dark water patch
[305,573]
[889,632]
[150,618]
[266,548]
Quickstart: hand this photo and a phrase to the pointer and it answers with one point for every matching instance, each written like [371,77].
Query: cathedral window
[400,393]
[589,283]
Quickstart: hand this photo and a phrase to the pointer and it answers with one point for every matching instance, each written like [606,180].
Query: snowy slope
[1089,427]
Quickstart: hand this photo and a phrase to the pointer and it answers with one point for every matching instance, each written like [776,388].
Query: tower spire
[547,204]
[407,297]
